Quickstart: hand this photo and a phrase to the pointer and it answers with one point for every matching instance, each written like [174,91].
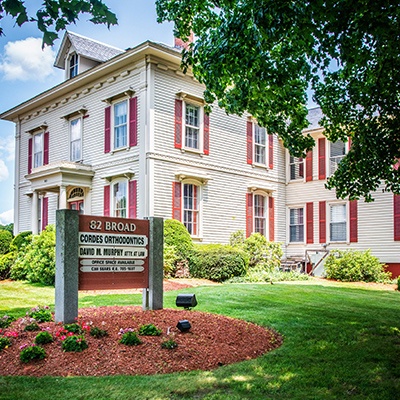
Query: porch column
[34,213]
[63,197]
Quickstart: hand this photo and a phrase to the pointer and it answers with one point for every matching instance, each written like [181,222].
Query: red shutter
[133,121]
[132,199]
[310,222]
[178,123]
[46,148]
[249,214]
[322,221]
[176,201]
[396,216]
[249,138]
[309,166]
[106,201]
[353,211]
[107,129]
[206,129]
[321,158]
[271,217]
[45,212]
[30,145]
[271,151]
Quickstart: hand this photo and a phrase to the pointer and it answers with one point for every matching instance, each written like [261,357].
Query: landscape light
[187,301]
[183,325]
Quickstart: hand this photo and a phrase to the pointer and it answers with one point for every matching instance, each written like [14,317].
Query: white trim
[296,207]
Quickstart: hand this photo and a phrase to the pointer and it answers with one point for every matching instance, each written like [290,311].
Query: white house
[126,135]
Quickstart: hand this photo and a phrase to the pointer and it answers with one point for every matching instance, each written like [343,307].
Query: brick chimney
[180,44]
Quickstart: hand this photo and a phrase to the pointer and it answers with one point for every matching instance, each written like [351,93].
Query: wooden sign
[113,253]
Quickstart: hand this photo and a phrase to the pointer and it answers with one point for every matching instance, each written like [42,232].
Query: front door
[76,205]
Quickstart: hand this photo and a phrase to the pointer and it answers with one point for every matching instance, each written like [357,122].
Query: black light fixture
[183,325]
[187,301]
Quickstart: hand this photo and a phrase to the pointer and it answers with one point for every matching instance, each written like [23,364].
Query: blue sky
[26,70]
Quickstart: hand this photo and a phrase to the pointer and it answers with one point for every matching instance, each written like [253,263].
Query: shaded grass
[338,343]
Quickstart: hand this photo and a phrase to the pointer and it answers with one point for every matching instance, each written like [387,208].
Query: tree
[56,15]
[261,57]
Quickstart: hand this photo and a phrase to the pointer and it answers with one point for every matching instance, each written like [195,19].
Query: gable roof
[86,47]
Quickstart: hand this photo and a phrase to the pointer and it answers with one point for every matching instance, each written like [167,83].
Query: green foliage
[170,260]
[176,234]
[73,328]
[6,262]
[261,275]
[36,262]
[75,343]
[41,314]
[6,238]
[32,353]
[149,330]
[217,262]
[54,16]
[355,266]
[398,283]
[21,240]
[4,342]
[97,332]
[43,338]
[31,327]
[130,338]
[5,321]
[237,239]
[169,344]
[9,227]
[262,57]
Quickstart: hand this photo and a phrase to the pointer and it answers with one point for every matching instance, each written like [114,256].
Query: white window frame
[199,211]
[116,211]
[296,225]
[36,151]
[346,221]
[71,142]
[295,162]
[73,69]
[114,126]
[259,145]
[333,164]
[261,218]
[199,128]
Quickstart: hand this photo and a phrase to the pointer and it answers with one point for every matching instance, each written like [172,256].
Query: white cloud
[7,146]
[7,217]
[25,60]
[3,171]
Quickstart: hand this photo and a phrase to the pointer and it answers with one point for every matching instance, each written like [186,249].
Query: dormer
[78,54]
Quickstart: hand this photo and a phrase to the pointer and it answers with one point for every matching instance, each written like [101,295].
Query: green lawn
[339,343]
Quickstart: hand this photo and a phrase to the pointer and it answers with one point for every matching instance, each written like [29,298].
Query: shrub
[32,353]
[129,337]
[33,326]
[4,342]
[5,321]
[261,275]
[355,266]
[43,338]
[21,240]
[6,262]
[76,343]
[170,260]
[9,227]
[169,344]
[41,314]
[97,332]
[237,239]
[36,262]
[176,234]
[6,238]
[398,283]
[73,328]
[217,262]
[149,330]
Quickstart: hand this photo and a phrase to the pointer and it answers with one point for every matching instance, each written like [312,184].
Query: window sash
[73,65]
[337,153]
[296,225]
[76,139]
[338,223]
[260,216]
[260,145]
[296,166]
[120,124]
[190,208]
[192,126]
[38,150]
[120,199]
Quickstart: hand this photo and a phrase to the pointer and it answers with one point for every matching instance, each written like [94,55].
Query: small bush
[261,275]
[217,262]
[33,326]
[4,342]
[170,259]
[398,283]
[75,343]
[6,238]
[21,240]
[43,338]
[6,262]
[97,332]
[6,320]
[149,330]
[32,353]
[176,234]
[129,338]
[73,328]
[41,314]
[355,266]
[169,344]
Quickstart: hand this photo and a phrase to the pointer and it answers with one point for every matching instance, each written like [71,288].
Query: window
[191,208]
[73,65]
[296,225]
[337,153]
[338,228]
[75,128]
[259,145]
[192,126]
[260,214]
[296,167]
[119,199]
[120,124]
[38,150]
